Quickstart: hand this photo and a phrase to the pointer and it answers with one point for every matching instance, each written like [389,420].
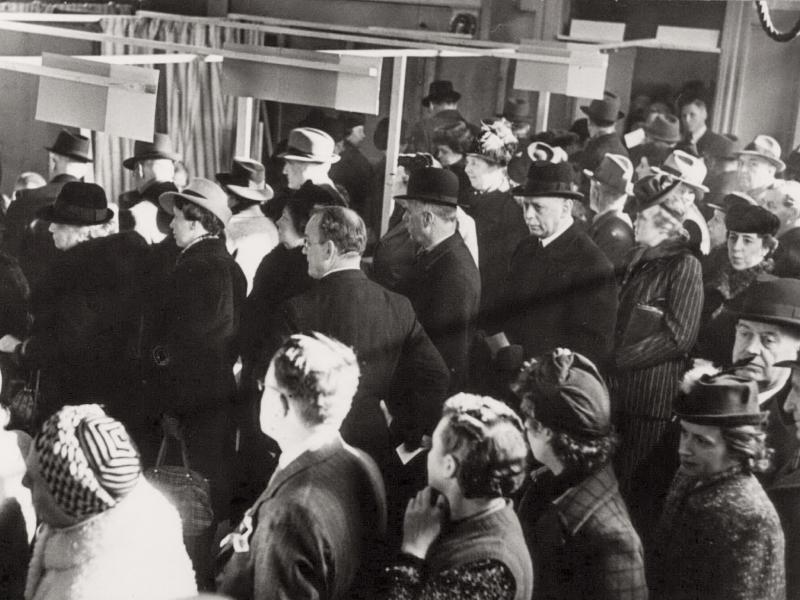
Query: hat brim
[732,420]
[80,157]
[794,323]
[48,213]
[658,138]
[447,201]
[167,202]
[452,97]
[519,191]
[333,159]
[775,161]
[697,186]
[585,110]
[245,192]
[130,162]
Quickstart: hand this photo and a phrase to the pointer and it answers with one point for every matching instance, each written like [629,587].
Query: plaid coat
[581,539]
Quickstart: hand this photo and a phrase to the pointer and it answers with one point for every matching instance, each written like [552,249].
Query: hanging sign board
[561,69]
[344,82]
[116,99]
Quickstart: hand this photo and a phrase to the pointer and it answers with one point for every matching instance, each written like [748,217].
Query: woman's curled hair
[747,444]
[194,212]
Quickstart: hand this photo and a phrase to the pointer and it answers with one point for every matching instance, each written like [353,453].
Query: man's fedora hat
[605,111]
[72,145]
[201,192]
[432,185]
[307,144]
[79,204]
[722,400]
[733,199]
[766,147]
[686,168]
[441,91]
[549,179]
[769,300]
[722,147]
[160,147]
[664,128]
[516,109]
[614,171]
[246,180]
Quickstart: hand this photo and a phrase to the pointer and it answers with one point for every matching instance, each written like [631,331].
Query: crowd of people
[569,369]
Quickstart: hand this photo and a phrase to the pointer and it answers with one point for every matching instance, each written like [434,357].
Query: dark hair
[195,212]
[747,444]
[342,226]
[583,456]
[457,137]
[320,375]
[487,438]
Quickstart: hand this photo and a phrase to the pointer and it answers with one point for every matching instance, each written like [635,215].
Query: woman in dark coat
[719,536]
[575,522]
[85,307]
[751,242]
[657,324]
[14,295]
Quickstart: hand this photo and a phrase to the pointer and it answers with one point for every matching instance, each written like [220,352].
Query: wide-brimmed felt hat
[307,144]
[432,185]
[201,192]
[655,190]
[350,120]
[664,128]
[605,111]
[733,199]
[686,168]
[614,171]
[246,180]
[766,147]
[557,137]
[159,148]
[548,179]
[769,300]
[72,145]
[78,203]
[516,109]
[751,219]
[722,400]
[441,91]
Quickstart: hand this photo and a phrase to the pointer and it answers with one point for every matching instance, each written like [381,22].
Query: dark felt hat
[558,137]
[733,199]
[654,190]
[721,400]
[751,219]
[159,148]
[246,180]
[769,300]
[72,145]
[605,111]
[432,185]
[441,91]
[549,179]
[664,128]
[722,147]
[351,120]
[78,203]
[567,394]
[516,109]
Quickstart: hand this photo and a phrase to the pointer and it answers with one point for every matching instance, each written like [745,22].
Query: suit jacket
[28,239]
[398,362]
[563,295]
[596,148]
[315,532]
[614,236]
[707,141]
[446,295]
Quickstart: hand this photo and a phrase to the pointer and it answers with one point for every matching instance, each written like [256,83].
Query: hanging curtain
[200,116]
[105,8]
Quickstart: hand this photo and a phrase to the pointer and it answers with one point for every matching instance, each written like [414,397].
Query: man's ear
[450,465]
[427,218]
[568,204]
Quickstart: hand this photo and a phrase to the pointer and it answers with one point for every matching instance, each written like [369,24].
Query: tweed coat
[719,538]
[85,315]
[581,539]
[613,234]
[315,532]
[25,237]
[561,295]
[399,364]
[446,294]
[500,227]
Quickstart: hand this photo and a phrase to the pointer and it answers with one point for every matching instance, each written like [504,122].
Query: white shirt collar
[562,228]
[337,269]
[699,133]
[315,441]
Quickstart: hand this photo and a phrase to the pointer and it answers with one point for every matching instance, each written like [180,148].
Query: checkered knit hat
[87,460]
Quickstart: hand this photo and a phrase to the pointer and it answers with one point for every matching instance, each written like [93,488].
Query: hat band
[557,187]
[298,152]
[82,213]
[188,192]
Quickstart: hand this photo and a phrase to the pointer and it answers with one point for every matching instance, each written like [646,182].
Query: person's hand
[8,343]
[423,522]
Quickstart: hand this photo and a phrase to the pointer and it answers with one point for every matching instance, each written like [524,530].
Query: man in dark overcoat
[446,286]
[561,290]
[442,102]
[28,238]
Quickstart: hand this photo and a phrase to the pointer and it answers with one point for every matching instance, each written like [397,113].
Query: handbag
[23,405]
[188,490]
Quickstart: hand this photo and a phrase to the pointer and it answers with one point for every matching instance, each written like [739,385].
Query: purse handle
[162,450]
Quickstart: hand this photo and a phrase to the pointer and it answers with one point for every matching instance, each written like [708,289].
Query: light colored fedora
[202,192]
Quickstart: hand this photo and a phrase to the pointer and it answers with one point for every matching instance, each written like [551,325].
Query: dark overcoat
[784,492]
[614,236]
[193,353]
[596,148]
[27,238]
[315,532]
[581,539]
[446,295]
[787,256]
[398,361]
[354,172]
[14,295]
[85,317]
[562,295]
